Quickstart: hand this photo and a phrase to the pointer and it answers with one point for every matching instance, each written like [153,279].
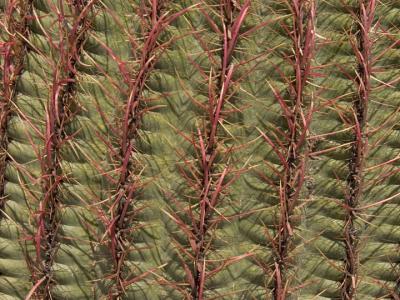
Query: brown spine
[210,190]
[153,25]
[299,119]
[362,48]
[14,52]
[59,114]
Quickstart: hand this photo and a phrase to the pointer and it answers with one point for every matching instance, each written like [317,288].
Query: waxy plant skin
[199,149]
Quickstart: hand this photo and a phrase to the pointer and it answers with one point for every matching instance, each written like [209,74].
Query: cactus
[210,149]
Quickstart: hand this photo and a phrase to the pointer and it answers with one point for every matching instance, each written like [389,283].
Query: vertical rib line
[299,119]
[154,23]
[209,195]
[362,48]
[58,115]
[14,53]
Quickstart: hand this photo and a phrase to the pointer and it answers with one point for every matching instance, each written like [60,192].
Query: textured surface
[200,149]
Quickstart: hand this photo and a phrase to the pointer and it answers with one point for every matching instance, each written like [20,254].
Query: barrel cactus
[199,149]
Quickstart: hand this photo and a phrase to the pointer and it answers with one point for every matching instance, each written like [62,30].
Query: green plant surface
[212,149]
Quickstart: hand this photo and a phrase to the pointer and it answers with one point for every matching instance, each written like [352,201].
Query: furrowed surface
[212,149]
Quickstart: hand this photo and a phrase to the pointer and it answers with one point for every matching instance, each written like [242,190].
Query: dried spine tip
[362,49]
[303,37]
